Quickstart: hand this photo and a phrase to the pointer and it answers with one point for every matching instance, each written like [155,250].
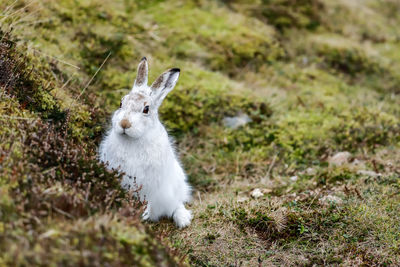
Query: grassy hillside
[316,77]
[58,205]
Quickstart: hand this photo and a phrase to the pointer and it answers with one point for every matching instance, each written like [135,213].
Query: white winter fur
[140,148]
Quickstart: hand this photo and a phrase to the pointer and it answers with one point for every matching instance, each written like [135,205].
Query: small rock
[242,199]
[311,171]
[369,173]
[48,234]
[256,193]
[357,162]
[330,199]
[237,121]
[294,178]
[340,158]
[266,190]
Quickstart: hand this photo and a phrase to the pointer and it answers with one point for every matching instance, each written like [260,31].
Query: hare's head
[138,112]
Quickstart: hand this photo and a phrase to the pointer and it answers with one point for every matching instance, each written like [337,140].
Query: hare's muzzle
[125,124]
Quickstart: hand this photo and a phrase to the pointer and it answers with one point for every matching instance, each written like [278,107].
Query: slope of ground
[58,205]
[316,77]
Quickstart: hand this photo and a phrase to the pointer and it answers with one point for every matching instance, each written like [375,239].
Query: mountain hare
[138,145]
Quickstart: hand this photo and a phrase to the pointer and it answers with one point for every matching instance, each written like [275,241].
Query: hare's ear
[142,73]
[164,84]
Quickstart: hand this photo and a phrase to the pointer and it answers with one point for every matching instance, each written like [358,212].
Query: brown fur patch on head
[142,73]
[137,96]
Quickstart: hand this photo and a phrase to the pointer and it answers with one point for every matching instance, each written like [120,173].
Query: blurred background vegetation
[310,177]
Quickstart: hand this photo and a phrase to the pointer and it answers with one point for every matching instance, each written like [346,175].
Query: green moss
[285,225]
[346,58]
[353,20]
[223,41]
[284,14]
[202,97]
[104,240]
[25,78]
[366,128]
[310,222]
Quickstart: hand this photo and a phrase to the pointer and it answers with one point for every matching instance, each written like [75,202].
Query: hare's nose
[125,124]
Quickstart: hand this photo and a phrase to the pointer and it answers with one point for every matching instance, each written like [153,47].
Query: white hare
[138,145]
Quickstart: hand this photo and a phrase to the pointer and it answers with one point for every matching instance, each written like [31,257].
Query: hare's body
[138,145]
[151,165]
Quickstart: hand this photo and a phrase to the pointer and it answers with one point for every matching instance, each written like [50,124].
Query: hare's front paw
[182,217]
[146,213]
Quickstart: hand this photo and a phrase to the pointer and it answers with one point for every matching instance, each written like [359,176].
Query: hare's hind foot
[182,216]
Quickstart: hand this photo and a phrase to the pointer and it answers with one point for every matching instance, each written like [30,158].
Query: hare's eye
[146,110]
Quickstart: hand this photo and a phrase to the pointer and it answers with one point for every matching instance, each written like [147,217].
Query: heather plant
[53,185]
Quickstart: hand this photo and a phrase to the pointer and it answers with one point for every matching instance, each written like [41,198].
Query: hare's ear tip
[174,70]
[143,58]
